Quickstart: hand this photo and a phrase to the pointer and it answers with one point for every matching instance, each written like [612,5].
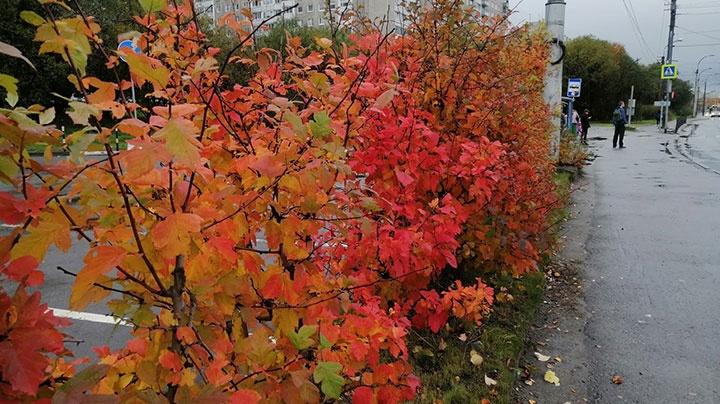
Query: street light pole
[697,84]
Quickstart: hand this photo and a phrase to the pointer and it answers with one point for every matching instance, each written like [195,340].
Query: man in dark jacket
[619,119]
[585,124]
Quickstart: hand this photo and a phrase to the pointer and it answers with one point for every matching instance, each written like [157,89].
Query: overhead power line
[637,30]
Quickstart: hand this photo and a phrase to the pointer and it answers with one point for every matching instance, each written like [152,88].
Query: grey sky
[609,20]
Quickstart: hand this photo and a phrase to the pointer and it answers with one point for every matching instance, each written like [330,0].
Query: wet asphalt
[654,259]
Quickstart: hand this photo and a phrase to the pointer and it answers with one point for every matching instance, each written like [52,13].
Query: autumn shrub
[274,239]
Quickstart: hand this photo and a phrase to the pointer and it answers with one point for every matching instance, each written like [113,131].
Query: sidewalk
[643,240]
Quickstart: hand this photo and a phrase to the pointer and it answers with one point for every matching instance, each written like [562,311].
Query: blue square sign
[574,87]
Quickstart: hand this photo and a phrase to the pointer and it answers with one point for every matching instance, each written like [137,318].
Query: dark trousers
[619,135]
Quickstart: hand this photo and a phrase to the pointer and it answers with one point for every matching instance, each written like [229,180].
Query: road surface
[650,219]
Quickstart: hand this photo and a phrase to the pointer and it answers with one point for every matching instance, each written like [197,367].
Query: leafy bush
[279,237]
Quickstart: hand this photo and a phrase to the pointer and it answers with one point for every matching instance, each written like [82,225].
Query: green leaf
[320,125]
[328,375]
[79,142]
[81,112]
[303,338]
[153,6]
[8,169]
[32,18]
[325,343]
[9,83]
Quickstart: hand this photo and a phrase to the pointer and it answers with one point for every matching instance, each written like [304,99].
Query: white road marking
[95,318]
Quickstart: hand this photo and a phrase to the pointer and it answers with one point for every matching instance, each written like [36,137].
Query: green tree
[608,73]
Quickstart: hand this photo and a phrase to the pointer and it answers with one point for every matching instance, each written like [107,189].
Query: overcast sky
[609,20]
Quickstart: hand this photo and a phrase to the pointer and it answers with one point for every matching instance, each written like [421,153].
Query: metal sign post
[129,44]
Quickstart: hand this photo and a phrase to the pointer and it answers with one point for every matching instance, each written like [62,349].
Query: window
[321,22]
[310,7]
[299,9]
[310,22]
[299,23]
[237,6]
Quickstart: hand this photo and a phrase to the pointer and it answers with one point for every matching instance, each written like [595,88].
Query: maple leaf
[328,375]
[98,261]
[179,136]
[146,68]
[24,269]
[170,360]
[172,236]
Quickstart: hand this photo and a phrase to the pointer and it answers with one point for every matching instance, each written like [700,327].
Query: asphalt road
[654,257]
[82,335]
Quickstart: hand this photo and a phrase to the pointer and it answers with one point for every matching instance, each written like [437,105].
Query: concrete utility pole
[671,43]
[704,98]
[696,90]
[555,22]
[631,105]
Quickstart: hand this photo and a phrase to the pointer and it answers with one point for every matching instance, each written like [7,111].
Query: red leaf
[437,320]
[24,269]
[170,360]
[245,396]
[404,178]
[363,395]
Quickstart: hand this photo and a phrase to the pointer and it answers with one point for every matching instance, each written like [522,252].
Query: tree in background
[608,73]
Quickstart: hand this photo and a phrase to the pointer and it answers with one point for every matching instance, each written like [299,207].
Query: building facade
[312,13]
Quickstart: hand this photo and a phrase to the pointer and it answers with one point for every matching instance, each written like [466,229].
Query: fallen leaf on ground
[489,381]
[541,357]
[529,382]
[442,346]
[475,358]
[617,379]
[462,337]
[552,378]
[532,402]
[557,359]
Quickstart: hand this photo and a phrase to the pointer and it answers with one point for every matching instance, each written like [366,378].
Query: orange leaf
[98,261]
[173,235]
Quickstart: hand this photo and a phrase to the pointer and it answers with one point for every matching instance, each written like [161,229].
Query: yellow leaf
[179,136]
[475,358]
[147,69]
[9,83]
[323,43]
[153,6]
[32,18]
[46,117]
[552,378]
[52,228]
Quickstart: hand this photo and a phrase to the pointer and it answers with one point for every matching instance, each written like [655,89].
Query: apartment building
[311,13]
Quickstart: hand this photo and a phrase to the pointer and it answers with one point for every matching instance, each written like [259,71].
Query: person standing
[619,119]
[658,115]
[585,124]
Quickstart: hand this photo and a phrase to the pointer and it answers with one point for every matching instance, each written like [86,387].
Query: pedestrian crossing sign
[669,72]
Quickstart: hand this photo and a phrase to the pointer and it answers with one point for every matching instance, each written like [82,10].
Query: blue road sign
[668,72]
[574,87]
[129,44]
